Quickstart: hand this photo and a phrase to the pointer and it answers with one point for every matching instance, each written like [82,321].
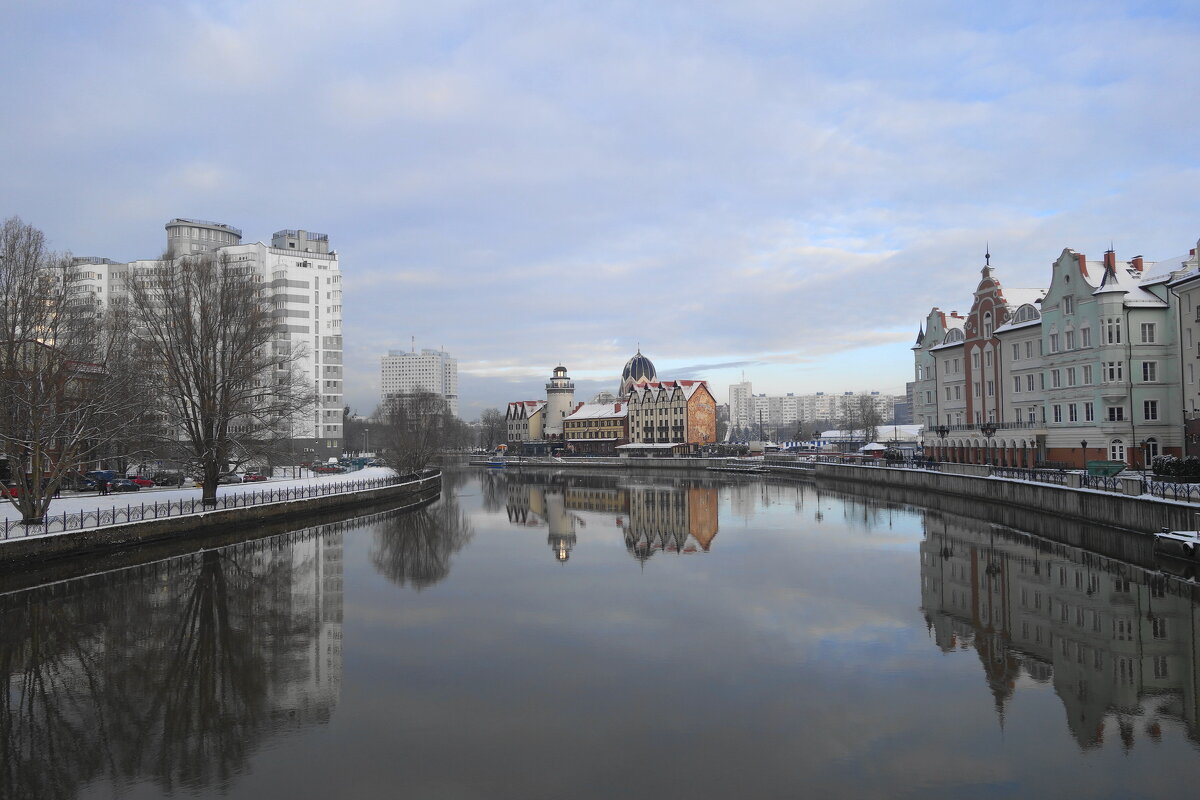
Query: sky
[780,190]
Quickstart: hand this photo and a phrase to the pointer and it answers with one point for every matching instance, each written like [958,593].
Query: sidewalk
[75,502]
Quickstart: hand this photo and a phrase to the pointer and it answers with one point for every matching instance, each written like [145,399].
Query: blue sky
[781,188]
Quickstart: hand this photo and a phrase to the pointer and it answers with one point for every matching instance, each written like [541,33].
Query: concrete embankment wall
[1136,513]
[219,523]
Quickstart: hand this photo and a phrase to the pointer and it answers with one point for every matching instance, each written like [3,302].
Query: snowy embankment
[74,502]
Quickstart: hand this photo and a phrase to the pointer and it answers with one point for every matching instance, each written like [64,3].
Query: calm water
[610,637]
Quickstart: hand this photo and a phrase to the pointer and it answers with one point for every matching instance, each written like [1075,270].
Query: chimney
[617,407]
[1082,259]
[1110,260]
[1138,264]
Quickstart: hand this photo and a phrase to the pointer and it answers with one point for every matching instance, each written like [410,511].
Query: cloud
[786,187]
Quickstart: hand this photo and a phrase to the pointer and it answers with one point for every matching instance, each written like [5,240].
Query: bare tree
[65,390]
[230,387]
[493,428]
[859,414]
[414,428]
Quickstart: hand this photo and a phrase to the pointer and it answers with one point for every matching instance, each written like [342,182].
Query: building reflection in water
[174,672]
[1116,641]
[671,516]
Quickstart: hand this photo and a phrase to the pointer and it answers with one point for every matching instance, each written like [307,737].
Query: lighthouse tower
[560,401]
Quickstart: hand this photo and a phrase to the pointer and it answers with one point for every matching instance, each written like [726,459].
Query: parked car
[168,478]
[140,481]
[106,474]
[123,485]
[10,489]
[230,477]
[253,477]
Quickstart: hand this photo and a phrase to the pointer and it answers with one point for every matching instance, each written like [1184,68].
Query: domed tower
[560,401]
[638,369]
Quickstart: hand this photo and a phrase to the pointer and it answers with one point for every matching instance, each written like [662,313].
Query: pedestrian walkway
[74,511]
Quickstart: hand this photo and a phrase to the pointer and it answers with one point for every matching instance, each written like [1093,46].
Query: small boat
[496,462]
[1183,544]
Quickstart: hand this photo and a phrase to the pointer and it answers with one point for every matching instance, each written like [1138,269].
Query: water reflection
[174,672]
[1116,641]
[415,548]
[668,516]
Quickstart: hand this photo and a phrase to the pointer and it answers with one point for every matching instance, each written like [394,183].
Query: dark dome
[637,370]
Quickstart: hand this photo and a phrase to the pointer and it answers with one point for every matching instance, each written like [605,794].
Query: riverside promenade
[85,522]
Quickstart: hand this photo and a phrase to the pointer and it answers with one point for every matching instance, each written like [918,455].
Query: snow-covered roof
[599,411]
[1127,279]
[688,387]
[1019,297]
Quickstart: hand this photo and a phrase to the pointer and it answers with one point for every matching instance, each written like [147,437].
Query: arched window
[1116,450]
[987,324]
[1151,448]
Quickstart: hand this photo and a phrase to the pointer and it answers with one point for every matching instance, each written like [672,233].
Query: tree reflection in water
[174,672]
[416,548]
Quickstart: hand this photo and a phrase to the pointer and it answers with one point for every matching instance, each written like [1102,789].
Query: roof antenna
[987,255]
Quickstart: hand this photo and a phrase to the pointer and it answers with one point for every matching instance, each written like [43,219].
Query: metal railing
[1056,477]
[120,515]
[1171,490]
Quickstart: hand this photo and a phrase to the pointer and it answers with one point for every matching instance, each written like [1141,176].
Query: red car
[250,477]
[140,481]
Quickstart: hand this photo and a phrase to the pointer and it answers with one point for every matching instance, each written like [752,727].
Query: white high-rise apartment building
[747,410]
[404,372]
[741,410]
[306,290]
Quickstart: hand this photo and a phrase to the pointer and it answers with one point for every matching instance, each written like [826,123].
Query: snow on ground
[90,501]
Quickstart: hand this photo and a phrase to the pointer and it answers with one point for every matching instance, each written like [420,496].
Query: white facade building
[305,281]
[404,372]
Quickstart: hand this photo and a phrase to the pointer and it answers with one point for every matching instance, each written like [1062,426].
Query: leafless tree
[859,414]
[493,428]
[66,387]
[414,428]
[229,385]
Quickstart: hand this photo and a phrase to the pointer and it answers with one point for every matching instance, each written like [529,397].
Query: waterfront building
[405,372]
[1086,369]
[1184,285]
[748,412]
[560,401]
[596,428]
[672,412]
[525,420]
[741,406]
[305,284]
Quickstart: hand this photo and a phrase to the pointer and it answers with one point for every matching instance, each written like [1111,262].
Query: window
[1057,413]
[1112,331]
[1116,452]
[946,365]
[1068,305]
[976,388]
[975,360]
[1150,410]
[991,388]
[1029,349]
[1151,454]
[958,392]
[928,397]
[1029,382]
[1072,413]
[1116,413]
[987,358]
[1089,412]
[987,325]
[1085,337]
[1016,351]
[1069,337]
[1148,332]
[1087,374]
[947,392]
[1054,343]
[1149,371]
[1055,378]
[1016,384]
[1032,414]
[1113,371]
[1070,376]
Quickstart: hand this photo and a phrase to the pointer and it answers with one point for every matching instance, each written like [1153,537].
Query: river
[610,635]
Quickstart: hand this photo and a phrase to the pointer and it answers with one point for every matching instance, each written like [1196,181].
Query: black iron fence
[1172,490]
[120,515]
[1054,476]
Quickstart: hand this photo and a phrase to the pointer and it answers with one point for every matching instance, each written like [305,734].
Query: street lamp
[1083,447]
[988,429]
[366,431]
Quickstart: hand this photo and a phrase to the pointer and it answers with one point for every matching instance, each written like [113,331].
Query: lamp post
[941,431]
[366,432]
[988,429]
[1083,447]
